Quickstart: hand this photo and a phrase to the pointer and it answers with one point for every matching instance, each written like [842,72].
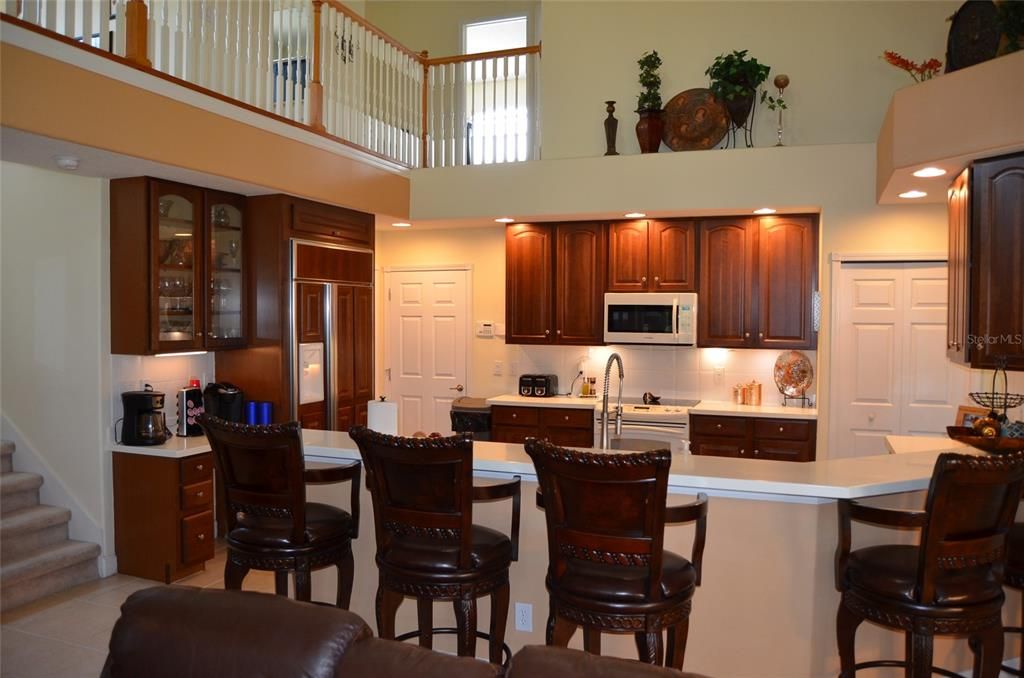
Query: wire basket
[998,401]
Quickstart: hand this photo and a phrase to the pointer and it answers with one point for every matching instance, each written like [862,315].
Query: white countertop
[830,479]
[554,401]
[905,444]
[775,411]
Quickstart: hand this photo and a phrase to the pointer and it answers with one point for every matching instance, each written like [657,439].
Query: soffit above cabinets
[947,122]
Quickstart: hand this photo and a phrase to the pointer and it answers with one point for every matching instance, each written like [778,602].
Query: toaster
[526,384]
[545,385]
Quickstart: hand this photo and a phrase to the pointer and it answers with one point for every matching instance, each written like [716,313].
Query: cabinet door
[313,416]
[362,347]
[225,270]
[178,289]
[997,259]
[579,284]
[786,279]
[628,260]
[529,284]
[725,311]
[673,256]
[720,447]
[956,310]
[311,312]
[344,337]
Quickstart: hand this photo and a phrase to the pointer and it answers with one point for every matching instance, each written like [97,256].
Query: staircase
[36,557]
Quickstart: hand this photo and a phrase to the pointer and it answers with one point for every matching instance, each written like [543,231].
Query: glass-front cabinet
[225,302]
[176,212]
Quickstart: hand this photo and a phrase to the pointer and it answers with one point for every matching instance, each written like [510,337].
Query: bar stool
[427,545]
[1014,578]
[608,571]
[951,583]
[271,526]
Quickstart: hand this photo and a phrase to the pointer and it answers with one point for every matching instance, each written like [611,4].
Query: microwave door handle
[675,319]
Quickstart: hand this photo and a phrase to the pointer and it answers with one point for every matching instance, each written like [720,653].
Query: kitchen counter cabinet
[163,513]
[562,426]
[753,437]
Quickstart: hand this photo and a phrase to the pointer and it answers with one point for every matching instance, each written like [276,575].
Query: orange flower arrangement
[919,72]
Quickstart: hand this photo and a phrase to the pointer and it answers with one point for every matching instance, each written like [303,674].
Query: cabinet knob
[567,417]
[760,335]
[743,451]
[201,537]
[780,429]
[199,467]
[515,416]
[558,332]
[547,332]
[657,281]
[718,426]
[643,278]
[200,493]
[746,335]
[757,452]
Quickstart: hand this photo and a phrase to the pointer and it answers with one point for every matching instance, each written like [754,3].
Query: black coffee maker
[144,422]
[224,400]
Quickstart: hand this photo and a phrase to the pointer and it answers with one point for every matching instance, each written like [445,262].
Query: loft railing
[318,64]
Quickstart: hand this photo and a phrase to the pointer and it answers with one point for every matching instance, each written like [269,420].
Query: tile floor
[66,635]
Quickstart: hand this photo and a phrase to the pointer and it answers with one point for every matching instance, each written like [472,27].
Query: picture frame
[965,415]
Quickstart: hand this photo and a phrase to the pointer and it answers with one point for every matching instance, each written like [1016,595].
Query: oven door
[650,318]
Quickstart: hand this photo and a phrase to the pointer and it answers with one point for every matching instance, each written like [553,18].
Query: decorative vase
[611,128]
[739,109]
[648,131]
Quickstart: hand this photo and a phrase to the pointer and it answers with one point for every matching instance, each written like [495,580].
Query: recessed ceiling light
[929,172]
[635,215]
[913,194]
[67,162]
[401,224]
[504,220]
[764,210]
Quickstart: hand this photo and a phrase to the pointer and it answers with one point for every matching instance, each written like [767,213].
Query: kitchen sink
[636,444]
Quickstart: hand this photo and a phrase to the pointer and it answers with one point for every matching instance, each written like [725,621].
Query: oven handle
[643,428]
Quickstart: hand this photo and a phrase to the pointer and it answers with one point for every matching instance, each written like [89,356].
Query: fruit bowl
[968,436]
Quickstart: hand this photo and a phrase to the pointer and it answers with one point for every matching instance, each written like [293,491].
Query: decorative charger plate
[695,120]
[793,374]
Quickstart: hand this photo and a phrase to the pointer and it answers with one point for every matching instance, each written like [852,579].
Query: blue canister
[250,412]
[264,413]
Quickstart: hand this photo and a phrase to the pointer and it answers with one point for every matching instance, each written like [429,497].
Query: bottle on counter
[585,387]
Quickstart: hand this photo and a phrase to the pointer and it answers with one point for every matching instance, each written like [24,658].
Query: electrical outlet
[524,617]
[499,368]
[719,375]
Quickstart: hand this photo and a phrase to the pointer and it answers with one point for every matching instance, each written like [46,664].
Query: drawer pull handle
[756,452]
[780,429]
[200,493]
[743,451]
[514,415]
[718,426]
[201,537]
[567,417]
[199,467]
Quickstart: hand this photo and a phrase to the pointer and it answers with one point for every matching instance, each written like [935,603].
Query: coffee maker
[224,400]
[144,422]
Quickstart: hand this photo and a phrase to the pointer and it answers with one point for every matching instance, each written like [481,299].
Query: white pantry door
[891,373]
[426,332]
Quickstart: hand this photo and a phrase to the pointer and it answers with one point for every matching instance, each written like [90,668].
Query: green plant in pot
[648,104]
[734,80]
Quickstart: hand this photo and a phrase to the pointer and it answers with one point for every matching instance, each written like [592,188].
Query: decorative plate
[794,374]
[695,120]
[974,35]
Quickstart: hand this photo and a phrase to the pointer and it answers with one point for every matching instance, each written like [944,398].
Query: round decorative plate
[695,120]
[974,35]
[793,374]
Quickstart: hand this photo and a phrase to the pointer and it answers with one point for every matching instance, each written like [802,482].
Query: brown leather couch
[184,632]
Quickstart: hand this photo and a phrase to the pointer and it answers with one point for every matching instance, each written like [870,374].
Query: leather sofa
[185,632]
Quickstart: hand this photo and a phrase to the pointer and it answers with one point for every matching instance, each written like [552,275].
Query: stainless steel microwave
[650,318]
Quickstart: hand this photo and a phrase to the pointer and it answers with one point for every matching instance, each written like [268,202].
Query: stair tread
[32,518]
[19,482]
[48,559]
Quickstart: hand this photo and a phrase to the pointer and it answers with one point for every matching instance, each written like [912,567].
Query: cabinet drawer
[196,469]
[784,450]
[783,429]
[197,537]
[568,418]
[353,227]
[516,416]
[721,447]
[512,434]
[571,437]
[197,496]
[734,427]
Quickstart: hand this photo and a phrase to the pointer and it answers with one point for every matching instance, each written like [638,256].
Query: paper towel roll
[382,417]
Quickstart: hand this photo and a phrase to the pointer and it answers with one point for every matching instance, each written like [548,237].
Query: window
[496,94]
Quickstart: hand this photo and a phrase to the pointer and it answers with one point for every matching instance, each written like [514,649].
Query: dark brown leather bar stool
[271,526]
[608,571]
[951,583]
[427,545]
[1014,578]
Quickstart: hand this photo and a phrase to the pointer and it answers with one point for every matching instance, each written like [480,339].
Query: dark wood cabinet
[725,310]
[176,268]
[163,515]
[986,289]
[311,315]
[554,283]
[753,437]
[362,348]
[758,282]
[652,256]
[573,427]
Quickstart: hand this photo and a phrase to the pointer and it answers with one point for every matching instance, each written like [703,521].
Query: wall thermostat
[485,328]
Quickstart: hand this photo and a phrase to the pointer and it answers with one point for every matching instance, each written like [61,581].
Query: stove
[668,411]
[668,422]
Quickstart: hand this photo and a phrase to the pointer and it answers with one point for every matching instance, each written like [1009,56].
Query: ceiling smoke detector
[67,162]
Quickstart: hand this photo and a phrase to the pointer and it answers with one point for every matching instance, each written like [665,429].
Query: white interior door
[891,372]
[426,331]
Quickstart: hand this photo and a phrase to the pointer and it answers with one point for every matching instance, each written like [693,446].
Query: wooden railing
[318,64]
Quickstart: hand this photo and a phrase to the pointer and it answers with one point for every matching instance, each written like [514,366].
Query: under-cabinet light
[175,355]
[635,215]
[402,224]
[764,210]
[929,172]
[910,195]
[505,220]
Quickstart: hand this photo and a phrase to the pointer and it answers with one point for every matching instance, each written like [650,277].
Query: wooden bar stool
[951,583]
[427,545]
[608,571]
[271,526]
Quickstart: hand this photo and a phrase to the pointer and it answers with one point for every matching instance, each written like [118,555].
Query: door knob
[871,417]
[458,388]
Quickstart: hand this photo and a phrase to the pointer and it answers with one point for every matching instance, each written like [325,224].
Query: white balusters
[87,21]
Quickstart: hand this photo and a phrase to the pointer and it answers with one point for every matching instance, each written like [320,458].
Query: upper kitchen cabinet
[554,283]
[758,280]
[176,263]
[986,289]
[652,256]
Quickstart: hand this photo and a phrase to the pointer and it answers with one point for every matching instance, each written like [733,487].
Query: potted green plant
[734,80]
[648,104]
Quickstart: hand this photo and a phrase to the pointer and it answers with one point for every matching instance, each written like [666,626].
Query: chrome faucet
[614,357]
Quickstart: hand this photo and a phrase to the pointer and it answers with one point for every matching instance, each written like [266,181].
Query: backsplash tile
[166,374]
